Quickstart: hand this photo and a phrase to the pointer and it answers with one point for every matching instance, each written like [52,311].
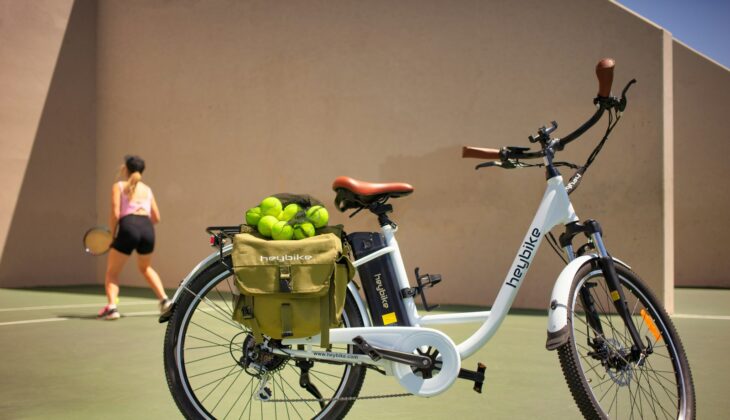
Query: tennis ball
[265,225]
[281,231]
[303,230]
[318,215]
[253,216]
[270,206]
[289,212]
[116,301]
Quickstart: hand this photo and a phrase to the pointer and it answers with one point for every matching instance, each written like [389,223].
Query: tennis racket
[98,240]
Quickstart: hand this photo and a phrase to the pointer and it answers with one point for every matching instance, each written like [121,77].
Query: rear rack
[220,235]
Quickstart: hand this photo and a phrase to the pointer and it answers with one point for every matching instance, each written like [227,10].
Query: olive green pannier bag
[290,289]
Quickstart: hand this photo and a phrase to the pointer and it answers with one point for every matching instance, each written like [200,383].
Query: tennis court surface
[58,361]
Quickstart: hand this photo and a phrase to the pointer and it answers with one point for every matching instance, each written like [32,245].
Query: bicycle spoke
[227,389]
[230,307]
[208,330]
[218,381]
[238,346]
[206,358]
[237,399]
[207,372]
[288,403]
[216,308]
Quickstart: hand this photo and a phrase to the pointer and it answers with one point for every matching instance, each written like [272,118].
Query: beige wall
[230,101]
[47,130]
[702,146]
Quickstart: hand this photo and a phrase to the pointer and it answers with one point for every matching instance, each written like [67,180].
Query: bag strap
[324,320]
[251,319]
[284,278]
[286,320]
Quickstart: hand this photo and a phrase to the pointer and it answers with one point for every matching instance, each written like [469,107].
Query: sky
[703,25]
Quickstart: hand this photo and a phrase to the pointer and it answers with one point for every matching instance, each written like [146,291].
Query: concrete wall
[47,138]
[702,145]
[229,101]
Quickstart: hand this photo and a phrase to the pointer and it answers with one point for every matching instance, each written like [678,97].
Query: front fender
[557,328]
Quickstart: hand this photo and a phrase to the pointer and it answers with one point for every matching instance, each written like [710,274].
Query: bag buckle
[284,279]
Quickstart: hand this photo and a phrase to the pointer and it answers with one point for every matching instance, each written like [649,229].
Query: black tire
[603,382]
[203,346]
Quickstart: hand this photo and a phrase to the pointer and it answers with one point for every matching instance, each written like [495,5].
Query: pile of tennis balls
[274,220]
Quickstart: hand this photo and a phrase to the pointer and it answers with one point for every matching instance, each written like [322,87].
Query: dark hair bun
[134,163]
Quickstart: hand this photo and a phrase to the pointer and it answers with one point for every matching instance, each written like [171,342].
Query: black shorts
[135,232]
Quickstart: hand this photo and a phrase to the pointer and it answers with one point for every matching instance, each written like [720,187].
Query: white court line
[79,305]
[60,318]
[692,316]
[33,321]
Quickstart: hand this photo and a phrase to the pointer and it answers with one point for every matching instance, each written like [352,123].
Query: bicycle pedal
[477,377]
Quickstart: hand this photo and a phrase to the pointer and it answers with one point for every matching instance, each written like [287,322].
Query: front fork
[592,229]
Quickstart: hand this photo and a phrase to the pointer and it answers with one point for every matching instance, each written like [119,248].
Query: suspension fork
[592,229]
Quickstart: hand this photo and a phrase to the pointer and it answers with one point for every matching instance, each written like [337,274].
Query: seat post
[382,210]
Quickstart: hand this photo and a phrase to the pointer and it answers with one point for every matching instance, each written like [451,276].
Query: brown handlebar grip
[479,153]
[604,72]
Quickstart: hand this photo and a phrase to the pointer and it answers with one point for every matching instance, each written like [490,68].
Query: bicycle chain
[367,397]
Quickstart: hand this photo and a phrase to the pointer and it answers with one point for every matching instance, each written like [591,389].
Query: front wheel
[604,378]
[214,368]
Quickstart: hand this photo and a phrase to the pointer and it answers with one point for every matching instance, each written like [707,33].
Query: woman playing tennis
[134,211]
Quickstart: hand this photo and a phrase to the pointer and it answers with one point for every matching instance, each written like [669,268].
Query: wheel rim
[208,356]
[650,388]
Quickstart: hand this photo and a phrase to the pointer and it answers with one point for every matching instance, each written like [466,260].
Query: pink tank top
[131,207]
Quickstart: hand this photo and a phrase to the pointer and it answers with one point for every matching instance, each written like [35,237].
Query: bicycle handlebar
[604,73]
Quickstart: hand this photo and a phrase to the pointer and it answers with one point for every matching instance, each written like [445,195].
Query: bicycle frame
[554,209]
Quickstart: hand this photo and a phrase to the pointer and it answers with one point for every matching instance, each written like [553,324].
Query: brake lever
[622,102]
[487,164]
[504,164]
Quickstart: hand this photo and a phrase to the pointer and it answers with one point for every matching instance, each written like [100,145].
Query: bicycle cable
[574,181]
[554,245]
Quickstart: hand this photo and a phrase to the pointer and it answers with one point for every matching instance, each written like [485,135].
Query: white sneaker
[165,305]
[108,313]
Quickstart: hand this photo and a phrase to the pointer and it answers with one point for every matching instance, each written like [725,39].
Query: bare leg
[114,264]
[153,279]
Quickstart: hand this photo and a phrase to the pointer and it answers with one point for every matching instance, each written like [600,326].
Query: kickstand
[305,365]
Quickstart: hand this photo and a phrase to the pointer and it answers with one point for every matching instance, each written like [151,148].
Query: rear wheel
[214,369]
[606,382]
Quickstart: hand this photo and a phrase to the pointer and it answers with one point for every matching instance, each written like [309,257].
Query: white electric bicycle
[620,353]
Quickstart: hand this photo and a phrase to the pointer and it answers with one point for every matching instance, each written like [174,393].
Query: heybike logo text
[525,257]
[285,258]
[381,290]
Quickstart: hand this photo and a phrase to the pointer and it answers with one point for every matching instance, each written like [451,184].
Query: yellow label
[615,296]
[389,319]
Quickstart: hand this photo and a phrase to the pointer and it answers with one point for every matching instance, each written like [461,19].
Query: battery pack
[378,280]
